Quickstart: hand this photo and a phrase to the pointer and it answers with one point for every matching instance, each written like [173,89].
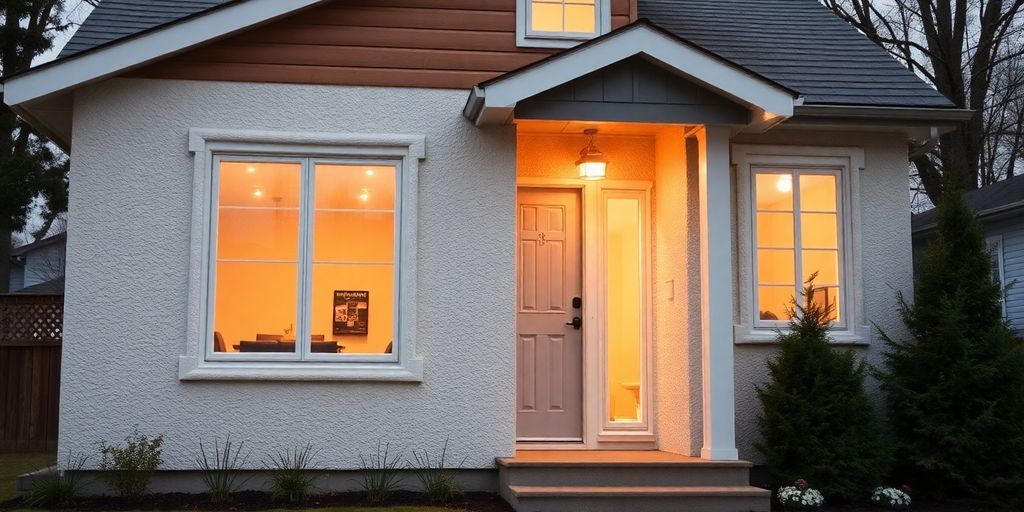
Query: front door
[549,341]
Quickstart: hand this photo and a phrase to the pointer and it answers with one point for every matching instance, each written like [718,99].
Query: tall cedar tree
[30,168]
[955,388]
[817,421]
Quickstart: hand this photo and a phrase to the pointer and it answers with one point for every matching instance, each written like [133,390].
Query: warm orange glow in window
[808,220]
[624,299]
[563,16]
[349,221]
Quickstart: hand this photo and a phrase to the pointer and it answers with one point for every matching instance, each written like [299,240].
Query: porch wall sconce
[592,165]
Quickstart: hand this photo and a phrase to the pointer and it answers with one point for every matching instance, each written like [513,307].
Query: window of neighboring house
[995,248]
[561,23]
[303,254]
[797,234]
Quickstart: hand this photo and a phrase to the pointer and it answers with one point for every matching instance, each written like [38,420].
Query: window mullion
[798,255]
[307,205]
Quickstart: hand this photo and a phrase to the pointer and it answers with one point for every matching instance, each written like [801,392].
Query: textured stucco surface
[677,297]
[128,279]
[886,258]
[551,155]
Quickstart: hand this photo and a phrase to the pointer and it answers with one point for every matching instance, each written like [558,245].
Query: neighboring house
[1000,208]
[412,191]
[38,267]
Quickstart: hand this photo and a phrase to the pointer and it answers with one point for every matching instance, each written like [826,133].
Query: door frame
[595,434]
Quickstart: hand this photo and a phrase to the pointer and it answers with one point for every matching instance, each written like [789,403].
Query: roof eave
[122,55]
[870,112]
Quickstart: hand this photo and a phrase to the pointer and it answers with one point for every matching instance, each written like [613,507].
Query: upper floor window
[561,23]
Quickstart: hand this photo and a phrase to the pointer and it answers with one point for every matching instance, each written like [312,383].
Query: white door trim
[595,435]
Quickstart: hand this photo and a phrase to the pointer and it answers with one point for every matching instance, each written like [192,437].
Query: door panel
[549,351]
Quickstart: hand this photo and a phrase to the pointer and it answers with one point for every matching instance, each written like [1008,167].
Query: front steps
[605,481]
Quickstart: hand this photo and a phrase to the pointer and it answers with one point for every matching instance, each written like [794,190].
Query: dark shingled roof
[1000,196]
[798,43]
[114,19]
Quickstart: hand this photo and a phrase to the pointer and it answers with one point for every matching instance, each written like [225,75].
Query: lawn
[14,464]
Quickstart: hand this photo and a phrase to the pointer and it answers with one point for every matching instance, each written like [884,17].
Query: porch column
[716,277]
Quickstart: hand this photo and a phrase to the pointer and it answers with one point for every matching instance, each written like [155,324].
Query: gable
[411,43]
[633,90]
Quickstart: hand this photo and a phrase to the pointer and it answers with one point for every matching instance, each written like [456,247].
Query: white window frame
[994,244]
[529,38]
[846,164]
[796,172]
[209,147]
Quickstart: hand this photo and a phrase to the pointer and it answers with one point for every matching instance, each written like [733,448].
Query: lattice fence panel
[31,319]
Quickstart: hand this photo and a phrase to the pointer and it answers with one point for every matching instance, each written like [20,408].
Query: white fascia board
[136,51]
[708,71]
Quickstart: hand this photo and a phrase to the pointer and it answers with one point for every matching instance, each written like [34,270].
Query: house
[1000,209]
[559,233]
[38,267]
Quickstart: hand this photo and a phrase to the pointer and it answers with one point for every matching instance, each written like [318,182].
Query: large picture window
[797,235]
[303,264]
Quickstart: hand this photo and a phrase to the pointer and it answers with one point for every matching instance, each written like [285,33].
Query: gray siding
[1012,233]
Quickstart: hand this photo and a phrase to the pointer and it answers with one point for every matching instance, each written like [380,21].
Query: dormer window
[561,23]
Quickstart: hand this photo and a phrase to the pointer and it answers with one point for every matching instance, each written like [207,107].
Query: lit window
[563,16]
[304,259]
[561,23]
[797,234]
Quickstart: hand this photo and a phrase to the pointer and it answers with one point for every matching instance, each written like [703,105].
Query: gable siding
[405,43]
[633,90]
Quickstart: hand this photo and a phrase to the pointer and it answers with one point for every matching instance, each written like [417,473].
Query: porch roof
[495,100]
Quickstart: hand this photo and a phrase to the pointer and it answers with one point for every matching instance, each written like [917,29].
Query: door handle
[576,323]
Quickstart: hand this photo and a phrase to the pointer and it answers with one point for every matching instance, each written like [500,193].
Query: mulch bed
[253,500]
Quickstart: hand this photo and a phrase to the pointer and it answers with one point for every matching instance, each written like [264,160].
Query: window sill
[192,369]
[744,335]
[551,41]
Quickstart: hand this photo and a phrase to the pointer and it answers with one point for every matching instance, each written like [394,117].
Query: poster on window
[351,311]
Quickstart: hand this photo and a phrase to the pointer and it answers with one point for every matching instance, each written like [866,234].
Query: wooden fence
[31,327]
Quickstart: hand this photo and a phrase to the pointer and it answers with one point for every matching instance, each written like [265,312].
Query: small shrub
[220,469]
[436,478]
[380,474]
[891,498]
[817,419]
[293,473]
[800,496]
[61,489]
[129,467]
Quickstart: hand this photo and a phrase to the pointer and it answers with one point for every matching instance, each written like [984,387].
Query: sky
[77,10]
[76,13]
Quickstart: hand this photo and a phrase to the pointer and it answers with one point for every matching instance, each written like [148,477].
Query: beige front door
[549,347]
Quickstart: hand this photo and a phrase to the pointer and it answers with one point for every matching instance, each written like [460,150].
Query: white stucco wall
[128,268]
[677,296]
[886,258]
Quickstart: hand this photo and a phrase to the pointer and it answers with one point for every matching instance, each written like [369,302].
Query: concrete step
[623,474]
[549,498]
